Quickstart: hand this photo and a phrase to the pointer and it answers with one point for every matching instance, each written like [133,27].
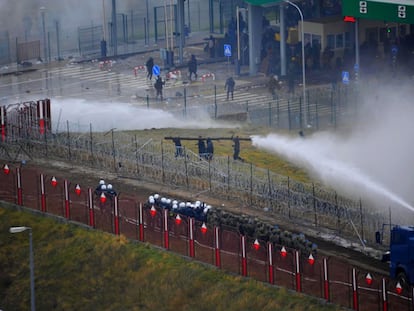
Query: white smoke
[80,114]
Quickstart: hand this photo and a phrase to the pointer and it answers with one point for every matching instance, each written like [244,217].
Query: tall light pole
[303,60]
[32,287]
[42,12]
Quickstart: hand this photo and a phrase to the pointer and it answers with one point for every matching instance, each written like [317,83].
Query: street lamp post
[32,287]
[42,11]
[303,59]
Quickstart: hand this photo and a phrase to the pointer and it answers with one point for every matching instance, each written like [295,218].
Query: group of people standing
[205,149]
[192,71]
[159,83]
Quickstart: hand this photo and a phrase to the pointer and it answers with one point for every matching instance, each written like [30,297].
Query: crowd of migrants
[243,224]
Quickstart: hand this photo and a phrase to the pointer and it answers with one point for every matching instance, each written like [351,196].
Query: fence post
[91,137]
[116,216]
[191,236]
[251,184]
[288,186]
[162,163]
[289,122]
[354,290]
[298,279]
[19,186]
[317,115]
[215,101]
[384,295]
[362,220]
[67,204]
[3,123]
[217,246]
[314,205]
[270,114]
[148,101]
[166,234]
[270,259]
[42,193]
[68,138]
[91,209]
[185,102]
[325,279]
[244,259]
[141,223]
[228,177]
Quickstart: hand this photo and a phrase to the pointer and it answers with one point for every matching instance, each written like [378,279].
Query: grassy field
[251,154]
[80,269]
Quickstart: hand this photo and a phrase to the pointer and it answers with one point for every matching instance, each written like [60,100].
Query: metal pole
[42,10]
[32,287]
[104,20]
[303,61]
[114,29]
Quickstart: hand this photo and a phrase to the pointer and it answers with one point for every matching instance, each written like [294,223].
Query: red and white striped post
[91,209]
[41,115]
[19,186]
[191,236]
[3,123]
[67,202]
[297,274]
[166,233]
[116,215]
[354,290]
[325,279]
[244,257]
[42,193]
[217,246]
[270,260]
[141,222]
[384,295]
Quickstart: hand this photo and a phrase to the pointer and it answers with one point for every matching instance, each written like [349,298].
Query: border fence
[26,134]
[224,247]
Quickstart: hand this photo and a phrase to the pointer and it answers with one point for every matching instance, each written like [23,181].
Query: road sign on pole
[227,50]
[345,77]
[156,70]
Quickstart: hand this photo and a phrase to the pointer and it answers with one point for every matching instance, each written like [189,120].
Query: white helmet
[102,182]
[109,186]
[103,187]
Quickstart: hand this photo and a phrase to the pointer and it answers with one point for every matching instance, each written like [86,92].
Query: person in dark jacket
[210,149]
[178,147]
[236,149]
[201,147]
[150,65]
[230,83]
[192,67]
[158,85]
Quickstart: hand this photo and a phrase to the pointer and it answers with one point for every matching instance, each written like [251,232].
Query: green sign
[263,2]
[400,11]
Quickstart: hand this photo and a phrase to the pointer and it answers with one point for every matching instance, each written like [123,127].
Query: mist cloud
[371,159]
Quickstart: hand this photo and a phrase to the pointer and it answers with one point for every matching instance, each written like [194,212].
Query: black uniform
[158,86]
